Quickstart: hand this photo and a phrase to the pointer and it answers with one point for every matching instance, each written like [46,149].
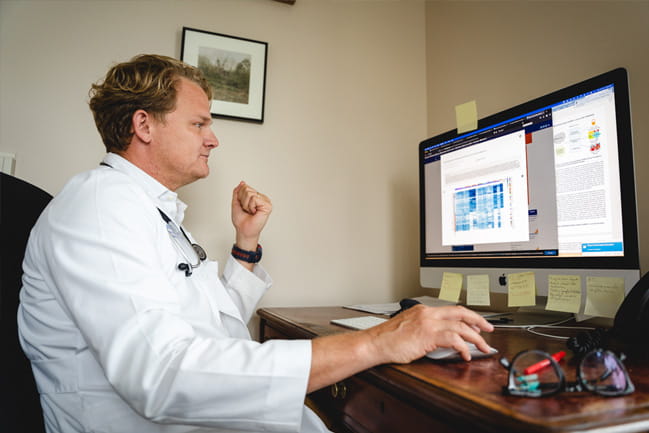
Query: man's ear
[141,124]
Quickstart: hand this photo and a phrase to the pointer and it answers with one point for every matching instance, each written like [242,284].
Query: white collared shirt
[120,340]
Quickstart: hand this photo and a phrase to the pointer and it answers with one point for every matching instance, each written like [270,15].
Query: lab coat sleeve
[245,288]
[114,284]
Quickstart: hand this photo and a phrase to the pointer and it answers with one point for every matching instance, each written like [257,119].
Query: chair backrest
[20,205]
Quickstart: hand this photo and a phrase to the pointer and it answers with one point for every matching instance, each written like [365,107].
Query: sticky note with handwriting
[603,296]
[564,293]
[451,287]
[477,290]
[521,289]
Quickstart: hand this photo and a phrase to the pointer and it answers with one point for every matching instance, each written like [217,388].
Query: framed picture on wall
[235,68]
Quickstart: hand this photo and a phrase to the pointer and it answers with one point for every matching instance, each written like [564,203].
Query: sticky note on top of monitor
[466,116]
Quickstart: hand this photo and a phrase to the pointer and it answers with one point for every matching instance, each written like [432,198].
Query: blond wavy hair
[146,82]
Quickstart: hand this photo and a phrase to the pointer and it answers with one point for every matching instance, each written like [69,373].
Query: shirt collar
[164,198]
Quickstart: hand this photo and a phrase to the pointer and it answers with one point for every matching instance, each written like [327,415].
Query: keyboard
[360,322]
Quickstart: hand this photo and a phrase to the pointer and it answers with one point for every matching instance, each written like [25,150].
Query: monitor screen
[546,186]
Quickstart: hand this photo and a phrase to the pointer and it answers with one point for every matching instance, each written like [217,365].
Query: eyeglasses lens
[603,373]
[534,374]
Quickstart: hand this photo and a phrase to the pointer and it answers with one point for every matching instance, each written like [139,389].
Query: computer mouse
[450,354]
[405,304]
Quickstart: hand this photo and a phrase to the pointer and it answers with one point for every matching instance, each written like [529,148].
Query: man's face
[183,141]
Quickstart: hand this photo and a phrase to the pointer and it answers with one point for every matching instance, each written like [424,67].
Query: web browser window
[541,184]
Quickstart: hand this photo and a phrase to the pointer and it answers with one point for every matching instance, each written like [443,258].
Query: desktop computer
[545,187]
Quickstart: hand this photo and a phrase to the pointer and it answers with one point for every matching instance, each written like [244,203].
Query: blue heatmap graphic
[479,207]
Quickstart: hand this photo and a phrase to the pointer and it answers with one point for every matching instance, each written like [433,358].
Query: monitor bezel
[631,259]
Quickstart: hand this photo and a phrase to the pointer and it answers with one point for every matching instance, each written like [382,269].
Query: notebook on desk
[391,307]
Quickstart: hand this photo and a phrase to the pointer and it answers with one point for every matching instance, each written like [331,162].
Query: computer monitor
[546,186]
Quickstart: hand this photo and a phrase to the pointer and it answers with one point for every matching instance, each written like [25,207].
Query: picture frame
[235,68]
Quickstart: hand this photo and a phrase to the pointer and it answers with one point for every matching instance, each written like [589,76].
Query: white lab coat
[120,340]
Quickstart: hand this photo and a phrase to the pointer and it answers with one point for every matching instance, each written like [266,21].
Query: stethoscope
[193,253]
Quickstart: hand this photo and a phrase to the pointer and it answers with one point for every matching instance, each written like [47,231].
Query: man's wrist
[248,256]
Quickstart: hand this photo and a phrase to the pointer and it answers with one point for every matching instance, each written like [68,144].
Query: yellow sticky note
[466,116]
[451,287]
[477,290]
[564,293]
[603,296]
[521,289]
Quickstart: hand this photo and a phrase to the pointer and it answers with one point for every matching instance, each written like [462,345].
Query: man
[129,327]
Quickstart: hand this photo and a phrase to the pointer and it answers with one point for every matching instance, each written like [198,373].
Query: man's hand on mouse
[421,329]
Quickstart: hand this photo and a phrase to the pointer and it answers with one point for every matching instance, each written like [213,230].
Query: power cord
[586,341]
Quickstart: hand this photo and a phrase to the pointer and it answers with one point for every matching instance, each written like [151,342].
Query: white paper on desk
[391,307]
[433,302]
[386,309]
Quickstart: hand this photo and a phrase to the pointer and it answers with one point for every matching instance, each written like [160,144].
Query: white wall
[502,53]
[345,110]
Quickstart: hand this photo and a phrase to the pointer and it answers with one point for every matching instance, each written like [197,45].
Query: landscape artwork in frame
[235,68]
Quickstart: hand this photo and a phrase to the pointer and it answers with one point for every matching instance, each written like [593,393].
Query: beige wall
[346,105]
[502,53]
[345,109]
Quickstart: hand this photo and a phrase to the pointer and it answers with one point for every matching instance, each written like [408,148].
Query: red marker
[542,364]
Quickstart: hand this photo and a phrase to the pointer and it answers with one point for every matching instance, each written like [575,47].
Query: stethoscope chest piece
[200,252]
[192,253]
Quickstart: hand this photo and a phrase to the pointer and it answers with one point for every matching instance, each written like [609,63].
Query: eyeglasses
[534,373]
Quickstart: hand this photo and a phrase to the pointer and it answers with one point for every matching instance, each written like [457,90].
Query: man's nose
[211,140]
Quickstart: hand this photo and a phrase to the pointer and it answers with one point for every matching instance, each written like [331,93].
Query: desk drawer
[362,407]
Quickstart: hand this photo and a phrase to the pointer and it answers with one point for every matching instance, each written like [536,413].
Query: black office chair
[20,205]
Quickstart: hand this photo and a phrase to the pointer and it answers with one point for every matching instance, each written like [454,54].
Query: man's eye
[199,125]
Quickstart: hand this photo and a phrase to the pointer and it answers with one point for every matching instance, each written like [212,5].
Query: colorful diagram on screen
[594,136]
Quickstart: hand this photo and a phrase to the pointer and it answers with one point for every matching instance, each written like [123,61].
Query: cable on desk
[555,325]
[587,341]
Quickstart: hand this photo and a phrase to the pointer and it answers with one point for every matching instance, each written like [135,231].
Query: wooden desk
[428,396]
